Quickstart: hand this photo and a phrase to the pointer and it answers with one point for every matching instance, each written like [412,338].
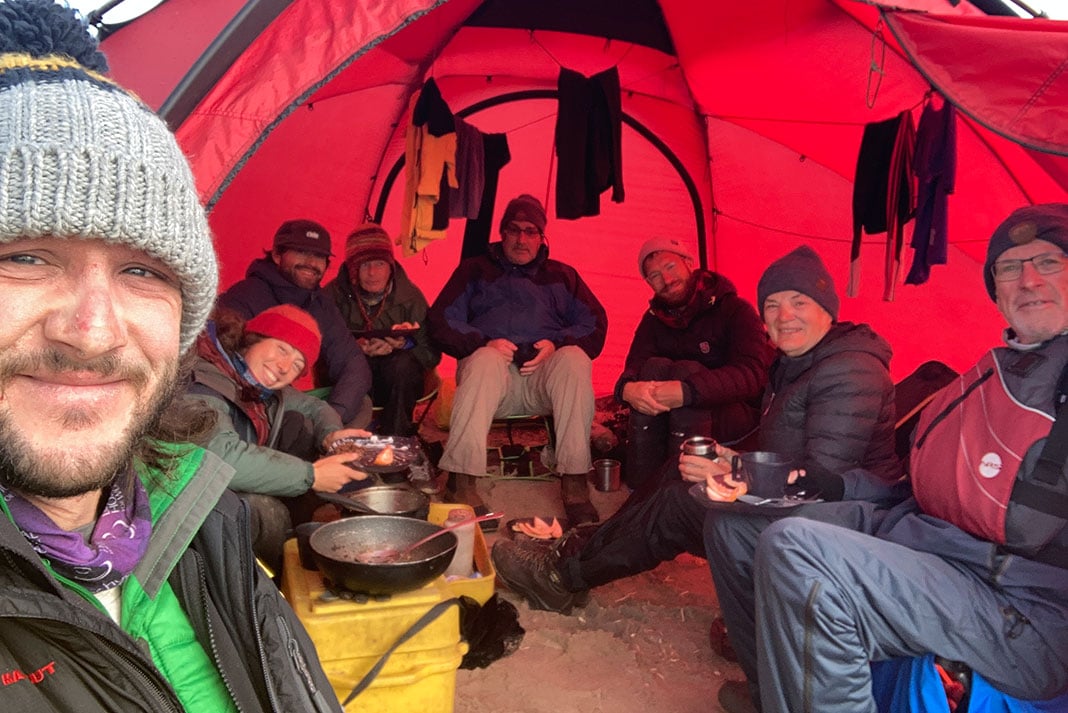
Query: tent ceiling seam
[302,98]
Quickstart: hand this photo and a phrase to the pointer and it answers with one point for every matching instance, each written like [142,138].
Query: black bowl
[337,547]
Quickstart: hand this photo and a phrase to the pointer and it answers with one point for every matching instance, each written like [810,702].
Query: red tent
[742,125]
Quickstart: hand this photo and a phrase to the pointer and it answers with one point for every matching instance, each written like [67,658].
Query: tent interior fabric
[742,125]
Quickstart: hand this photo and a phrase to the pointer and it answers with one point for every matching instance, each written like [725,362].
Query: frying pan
[382,500]
[337,546]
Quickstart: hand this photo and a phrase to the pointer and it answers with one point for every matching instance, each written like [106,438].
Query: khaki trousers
[489,386]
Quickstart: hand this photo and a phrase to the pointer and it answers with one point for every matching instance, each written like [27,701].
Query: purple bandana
[119,539]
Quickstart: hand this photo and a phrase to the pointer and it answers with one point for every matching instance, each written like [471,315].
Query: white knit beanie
[80,157]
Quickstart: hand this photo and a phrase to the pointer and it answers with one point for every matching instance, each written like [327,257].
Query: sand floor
[641,644]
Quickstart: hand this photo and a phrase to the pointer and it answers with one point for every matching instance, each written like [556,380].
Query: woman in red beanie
[272,434]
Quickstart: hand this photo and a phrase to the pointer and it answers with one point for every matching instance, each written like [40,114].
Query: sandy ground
[641,644]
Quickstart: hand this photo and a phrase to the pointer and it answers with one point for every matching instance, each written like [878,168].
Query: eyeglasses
[1044,264]
[514,231]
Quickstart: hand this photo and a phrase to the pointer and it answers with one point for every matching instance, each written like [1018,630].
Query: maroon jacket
[718,330]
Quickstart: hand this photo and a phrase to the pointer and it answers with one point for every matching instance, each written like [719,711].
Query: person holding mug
[828,407]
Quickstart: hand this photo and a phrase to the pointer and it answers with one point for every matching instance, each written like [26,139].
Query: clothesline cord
[821,238]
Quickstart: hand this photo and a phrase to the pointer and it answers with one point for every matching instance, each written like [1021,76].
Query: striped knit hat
[293,326]
[367,242]
[80,157]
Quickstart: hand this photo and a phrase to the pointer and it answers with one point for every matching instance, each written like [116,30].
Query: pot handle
[433,613]
[347,503]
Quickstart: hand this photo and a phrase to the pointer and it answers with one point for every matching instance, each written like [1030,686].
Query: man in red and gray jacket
[811,601]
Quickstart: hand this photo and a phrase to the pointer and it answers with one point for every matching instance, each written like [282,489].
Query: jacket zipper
[249,563]
[202,581]
[301,664]
[166,703]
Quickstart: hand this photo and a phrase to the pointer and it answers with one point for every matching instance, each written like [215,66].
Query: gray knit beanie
[801,271]
[80,157]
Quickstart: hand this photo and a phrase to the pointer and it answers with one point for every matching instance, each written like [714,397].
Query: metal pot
[382,500]
[337,546]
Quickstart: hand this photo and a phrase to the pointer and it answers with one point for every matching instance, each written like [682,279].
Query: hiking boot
[735,697]
[576,496]
[531,572]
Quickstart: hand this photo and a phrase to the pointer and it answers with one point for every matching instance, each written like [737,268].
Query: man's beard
[301,280]
[684,295]
[73,471]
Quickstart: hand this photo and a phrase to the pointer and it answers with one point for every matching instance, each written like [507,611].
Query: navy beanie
[1047,222]
[802,271]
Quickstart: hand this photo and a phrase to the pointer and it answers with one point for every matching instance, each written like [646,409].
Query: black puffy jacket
[832,408]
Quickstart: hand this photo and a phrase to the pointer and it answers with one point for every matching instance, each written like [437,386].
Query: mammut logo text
[9,677]
[990,465]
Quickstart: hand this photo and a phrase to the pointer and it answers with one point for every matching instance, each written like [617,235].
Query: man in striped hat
[387,314]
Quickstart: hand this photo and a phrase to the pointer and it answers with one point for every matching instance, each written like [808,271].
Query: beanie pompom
[41,28]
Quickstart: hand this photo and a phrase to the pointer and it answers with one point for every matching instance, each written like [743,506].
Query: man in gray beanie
[973,568]
[126,572]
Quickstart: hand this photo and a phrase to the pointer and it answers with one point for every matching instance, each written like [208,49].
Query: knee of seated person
[574,357]
[656,369]
[267,513]
[785,539]
[486,356]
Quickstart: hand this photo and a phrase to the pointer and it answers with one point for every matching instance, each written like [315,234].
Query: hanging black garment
[477,231]
[589,142]
[935,164]
[883,195]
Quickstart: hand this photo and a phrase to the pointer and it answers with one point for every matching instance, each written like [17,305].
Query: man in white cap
[697,365]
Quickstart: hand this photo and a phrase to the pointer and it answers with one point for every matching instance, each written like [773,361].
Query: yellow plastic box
[350,637]
[478,588]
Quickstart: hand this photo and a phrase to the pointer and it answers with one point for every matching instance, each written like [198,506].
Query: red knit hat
[291,325]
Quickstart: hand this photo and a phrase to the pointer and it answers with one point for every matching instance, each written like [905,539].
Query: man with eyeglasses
[525,329]
[973,568]
[697,365]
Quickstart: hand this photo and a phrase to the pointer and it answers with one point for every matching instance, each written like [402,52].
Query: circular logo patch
[990,465]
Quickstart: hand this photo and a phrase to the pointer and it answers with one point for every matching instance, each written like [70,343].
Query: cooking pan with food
[345,551]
